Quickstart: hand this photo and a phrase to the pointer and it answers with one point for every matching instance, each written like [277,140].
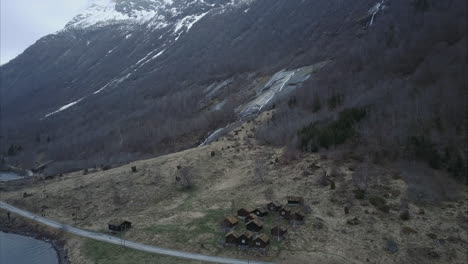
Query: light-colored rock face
[280,85]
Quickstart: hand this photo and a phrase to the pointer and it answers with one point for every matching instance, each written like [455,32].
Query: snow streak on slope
[375,10]
[65,107]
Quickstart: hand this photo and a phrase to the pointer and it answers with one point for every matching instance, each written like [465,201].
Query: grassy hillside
[242,173]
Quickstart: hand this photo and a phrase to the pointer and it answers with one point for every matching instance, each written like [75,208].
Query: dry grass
[164,214]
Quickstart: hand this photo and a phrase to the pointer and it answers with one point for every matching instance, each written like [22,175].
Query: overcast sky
[25,21]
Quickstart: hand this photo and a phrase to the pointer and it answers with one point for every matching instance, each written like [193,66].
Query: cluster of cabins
[254,223]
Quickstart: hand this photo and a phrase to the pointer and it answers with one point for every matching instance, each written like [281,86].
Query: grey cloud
[25,21]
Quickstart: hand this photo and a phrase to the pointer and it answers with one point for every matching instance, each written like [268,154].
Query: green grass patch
[182,233]
[103,253]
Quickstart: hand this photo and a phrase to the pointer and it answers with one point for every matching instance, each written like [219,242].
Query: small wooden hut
[260,212]
[118,225]
[255,225]
[261,242]
[245,239]
[250,217]
[279,233]
[230,222]
[273,207]
[285,212]
[244,212]
[295,200]
[297,217]
[231,238]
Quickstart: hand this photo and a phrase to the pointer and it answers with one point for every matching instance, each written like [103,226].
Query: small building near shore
[255,225]
[118,225]
[261,242]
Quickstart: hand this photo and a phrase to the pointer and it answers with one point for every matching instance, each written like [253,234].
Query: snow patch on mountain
[104,12]
[156,14]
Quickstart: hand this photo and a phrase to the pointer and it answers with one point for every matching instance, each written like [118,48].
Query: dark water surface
[17,249]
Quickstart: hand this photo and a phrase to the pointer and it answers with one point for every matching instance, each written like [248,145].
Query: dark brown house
[255,225]
[245,239]
[250,217]
[273,207]
[119,225]
[231,238]
[297,217]
[260,212]
[279,233]
[230,222]
[295,200]
[261,242]
[285,212]
[244,212]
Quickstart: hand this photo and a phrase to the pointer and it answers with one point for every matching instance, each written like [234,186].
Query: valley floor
[226,176]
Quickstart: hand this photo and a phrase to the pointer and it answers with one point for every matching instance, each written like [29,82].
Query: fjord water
[17,249]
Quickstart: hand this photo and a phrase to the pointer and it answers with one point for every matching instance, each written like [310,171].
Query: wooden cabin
[273,207]
[231,238]
[245,239]
[285,212]
[244,212]
[297,217]
[260,212]
[261,242]
[295,200]
[119,225]
[255,225]
[250,217]
[279,233]
[230,222]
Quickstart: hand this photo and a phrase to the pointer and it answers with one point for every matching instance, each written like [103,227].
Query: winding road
[118,241]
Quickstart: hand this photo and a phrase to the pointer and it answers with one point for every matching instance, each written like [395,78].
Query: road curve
[129,244]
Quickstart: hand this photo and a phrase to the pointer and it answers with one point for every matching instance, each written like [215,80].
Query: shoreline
[21,227]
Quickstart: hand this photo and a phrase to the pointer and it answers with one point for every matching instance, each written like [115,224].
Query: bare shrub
[260,170]
[185,178]
[361,178]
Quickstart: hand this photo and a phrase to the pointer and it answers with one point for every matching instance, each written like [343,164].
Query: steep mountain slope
[108,82]
[130,79]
